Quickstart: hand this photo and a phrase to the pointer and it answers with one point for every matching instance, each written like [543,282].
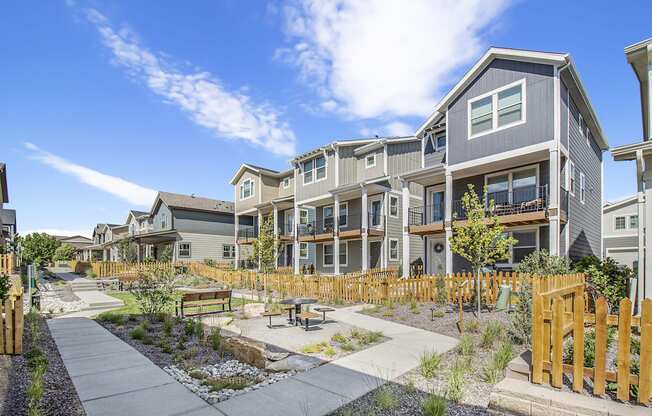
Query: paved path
[112,378]
[86,290]
[324,389]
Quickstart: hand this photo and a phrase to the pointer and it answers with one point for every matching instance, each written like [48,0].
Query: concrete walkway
[86,290]
[324,389]
[112,378]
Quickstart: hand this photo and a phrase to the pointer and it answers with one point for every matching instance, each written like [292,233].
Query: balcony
[247,234]
[286,232]
[350,227]
[428,219]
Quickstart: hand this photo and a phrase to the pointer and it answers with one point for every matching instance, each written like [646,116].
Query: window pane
[510,115]
[307,166]
[633,221]
[393,206]
[521,253]
[524,178]
[307,177]
[481,124]
[481,115]
[328,212]
[321,172]
[620,223]
[320,162]
[441,142]
[328,254]
[509,97]
[525,238]
[343,259]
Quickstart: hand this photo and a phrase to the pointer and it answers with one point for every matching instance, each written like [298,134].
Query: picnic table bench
[201,299]
[323,310]
[307,316]
[269,314]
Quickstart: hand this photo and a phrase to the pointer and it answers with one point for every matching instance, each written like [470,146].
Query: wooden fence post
[537,339]
[645,376]
[624,339]
[599,376]
[578,341]
[557,341]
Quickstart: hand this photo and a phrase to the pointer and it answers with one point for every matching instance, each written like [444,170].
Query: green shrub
[385,399]
[503,356]
[199,330]
[314,348]
[429,364]
[339,338]
[491,333]
[189,327]
[5,285]
[438,314]
[589,346]
[114,318]
[435,405]
[347,346]
[369,337]
[455,381]
[635,347]
[441,298]
[147,340]
[216,339]
[466,346]
[472,326]
[607,277]
[36,359]
[330,351]
[168,326]
[138,333]
[231,383]
[154,291]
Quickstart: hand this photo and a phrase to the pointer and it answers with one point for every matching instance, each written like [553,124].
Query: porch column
[448,222]
[174,251]
[364,230]
[553,203]
[336,238]
[643,219]
[275,236]
[385,216]
[295,258]
[104,256]
[647,217]
[237,246]
[260,223]
[138,252]
[406,236]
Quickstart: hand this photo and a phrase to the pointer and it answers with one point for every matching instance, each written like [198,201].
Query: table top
[298,301]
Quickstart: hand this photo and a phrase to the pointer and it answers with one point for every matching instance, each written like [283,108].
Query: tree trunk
[478,291]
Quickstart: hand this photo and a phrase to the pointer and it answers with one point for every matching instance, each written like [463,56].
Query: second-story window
[620,223]
[571,174]
[498,109]
[582,187]
[370,161]
[314,170]
[303,217]
[393,206]
[633,221]
[164,221]
[286,182]
[247,189]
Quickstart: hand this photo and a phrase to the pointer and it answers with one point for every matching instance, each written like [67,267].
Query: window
[620,223]
[184,249]
[633,221]
[527,244]
[434,142]
[441,142]
[513,187]
[329,254]
[247,189]
[370,161]
[393,249]
[328,217]
[164,221]
[393,206]
[303,250]
[228,251]
[496,110]
[286,182]
[571,175]
[303,217]
[314,170]
[582,187]
[344,215]
[344,254]
[375,213]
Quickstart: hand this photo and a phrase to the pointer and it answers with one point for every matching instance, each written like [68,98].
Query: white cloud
[384,58]
[58,231]
[129,191]
[395,128]
[229,114]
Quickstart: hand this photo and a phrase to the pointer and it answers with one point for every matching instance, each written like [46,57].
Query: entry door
[437,257]
[436,205]
[288,255]
[374,254]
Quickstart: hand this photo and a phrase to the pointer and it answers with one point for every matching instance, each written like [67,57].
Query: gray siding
[417,248]
[282,192]
[585,228]
[245,204]
[609,219]
[539,111]
[460,186]
[269,188]
[564,115]
[434,158]
[322,187]
[204,222]
[373,172]
[403,158]
[354,259]
[205,246]
[157,220]
[348,167]
[620,242]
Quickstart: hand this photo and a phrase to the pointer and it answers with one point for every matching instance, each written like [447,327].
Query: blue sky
[103,103]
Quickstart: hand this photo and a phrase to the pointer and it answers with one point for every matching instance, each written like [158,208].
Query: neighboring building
[194,228]
[102,239]
[520,123]
[620,231]
[79,242]
[639,56]
[4,198]
[8,228]
[339,209]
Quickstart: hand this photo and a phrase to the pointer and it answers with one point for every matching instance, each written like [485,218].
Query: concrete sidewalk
[112,378]
[324,389]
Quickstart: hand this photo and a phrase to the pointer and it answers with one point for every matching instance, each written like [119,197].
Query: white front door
[437,256]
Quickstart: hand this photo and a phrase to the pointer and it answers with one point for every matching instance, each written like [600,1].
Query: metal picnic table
[298,303]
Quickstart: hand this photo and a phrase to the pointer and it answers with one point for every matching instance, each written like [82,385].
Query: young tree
[38,248]
[265,246]
[128,251]
[481,239]
[64,252]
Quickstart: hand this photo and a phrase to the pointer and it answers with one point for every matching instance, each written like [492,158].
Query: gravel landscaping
[59,394]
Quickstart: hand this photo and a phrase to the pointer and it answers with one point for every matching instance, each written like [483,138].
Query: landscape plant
[455,381]
[128,251]
[38,248]
[166,254]
[435,405]
[607,277]
[265,246]
[429,363]
[64,252]
[481,239]
[5,286]
[154,292]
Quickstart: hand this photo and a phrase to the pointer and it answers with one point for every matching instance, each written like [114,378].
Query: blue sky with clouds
[103,103]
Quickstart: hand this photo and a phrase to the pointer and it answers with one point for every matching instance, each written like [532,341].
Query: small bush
[472,326]
[504,355]
[147,340]
[314,348]
[491,374]
[466,346]
[168,326]
[339,338]
[330,351]
[231,383]
[189,327]
[492,332]
[441,298]
[386,399]
[410,386]
[455,381]
[438,314]
[370,337]
[114,318]
[216,339]
[199,330]
[388,313]
[429,364]
[347,346]
[435,405]
[138,333]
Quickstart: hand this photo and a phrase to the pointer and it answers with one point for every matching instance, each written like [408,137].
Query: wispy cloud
[123,189]
[201,95]
[384,58]
[395,128]
[58,231]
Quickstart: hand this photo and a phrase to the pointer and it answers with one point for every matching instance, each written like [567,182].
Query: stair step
[105,305]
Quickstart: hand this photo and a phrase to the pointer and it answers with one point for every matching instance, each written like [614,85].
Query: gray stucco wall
[584,218]
[539,111]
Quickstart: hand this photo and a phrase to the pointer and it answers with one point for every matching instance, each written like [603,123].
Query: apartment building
[639,56]
[520,124]
[620,231]
[337,210]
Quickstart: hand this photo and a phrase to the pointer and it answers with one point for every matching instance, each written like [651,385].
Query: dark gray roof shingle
[196,203]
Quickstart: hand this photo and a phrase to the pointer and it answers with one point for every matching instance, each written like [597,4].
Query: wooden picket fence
[7,263]
[11,321]
[559,312]
[114,269]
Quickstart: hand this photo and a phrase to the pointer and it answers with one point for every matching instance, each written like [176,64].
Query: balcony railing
[428,214]
[247,233]
[518,201]
[349,222]
[286,230]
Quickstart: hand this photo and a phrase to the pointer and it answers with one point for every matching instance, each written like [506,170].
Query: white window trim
[231,251]
[382,210]
[494,109]
[307,256]
[314,170]
[572,180]
[510,176]
[301,211]
[253,189]
[398,208]
[366,161]
[398,254]
[510,262]
[435,145]
[323,215]
[342,205]
[614,223]
[582,187]
[629,222]
[283,183]
[323,254]
[189,250]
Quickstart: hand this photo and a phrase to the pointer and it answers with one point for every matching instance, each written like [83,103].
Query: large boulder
[253,310]
[294,362]
[247,351]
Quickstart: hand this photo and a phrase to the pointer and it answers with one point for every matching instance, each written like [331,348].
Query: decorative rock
[253,310]
[217,321]
[276,356]
[294,363]
[247,351]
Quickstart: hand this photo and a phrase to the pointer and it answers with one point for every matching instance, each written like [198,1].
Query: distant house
[79,242]
[8,228]
[620,231]
[100,247]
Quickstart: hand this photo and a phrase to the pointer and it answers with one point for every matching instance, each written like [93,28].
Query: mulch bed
[59,394]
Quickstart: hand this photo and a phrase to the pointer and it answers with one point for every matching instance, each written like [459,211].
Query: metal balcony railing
[518,201]
[348,222]
[286,230]
[428,214]
[247,233]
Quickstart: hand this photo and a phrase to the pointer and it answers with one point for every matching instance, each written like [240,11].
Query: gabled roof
[259,170]
[378,144]
[4,192]
[562,60]
[72,237]
[136,214]
[193,203]
[639,56]
[608,206]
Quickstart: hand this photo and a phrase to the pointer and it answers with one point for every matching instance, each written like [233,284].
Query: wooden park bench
[270,314]
[323,310]
[200,300]
[306,316]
